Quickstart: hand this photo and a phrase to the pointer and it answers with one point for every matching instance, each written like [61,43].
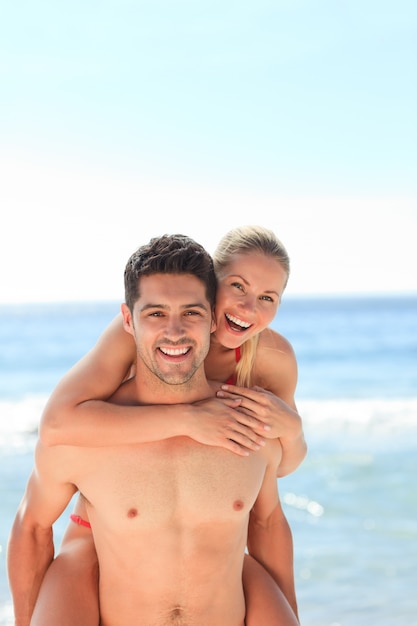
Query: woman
[252,268]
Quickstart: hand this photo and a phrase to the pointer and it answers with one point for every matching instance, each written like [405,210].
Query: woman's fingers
[248,414]
[252,393]
[222,422]
[256,402]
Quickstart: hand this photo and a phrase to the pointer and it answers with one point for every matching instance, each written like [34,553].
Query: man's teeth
[174,351]
[237,321]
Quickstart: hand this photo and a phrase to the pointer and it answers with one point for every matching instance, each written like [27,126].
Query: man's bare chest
[177,480]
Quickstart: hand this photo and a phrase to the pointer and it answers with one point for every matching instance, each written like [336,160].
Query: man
[170,518]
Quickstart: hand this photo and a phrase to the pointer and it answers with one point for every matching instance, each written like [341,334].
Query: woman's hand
[220,422]
[274,416]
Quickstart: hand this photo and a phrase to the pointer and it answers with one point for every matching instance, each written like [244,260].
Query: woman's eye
[267,298]
[237,285]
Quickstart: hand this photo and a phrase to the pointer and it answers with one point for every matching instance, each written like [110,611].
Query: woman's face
[248,295]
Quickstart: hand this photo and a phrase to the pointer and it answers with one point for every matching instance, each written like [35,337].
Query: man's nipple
[132,513]
[238,505]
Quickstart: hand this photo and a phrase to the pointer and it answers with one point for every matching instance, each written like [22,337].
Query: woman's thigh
[265,602]
[69,591]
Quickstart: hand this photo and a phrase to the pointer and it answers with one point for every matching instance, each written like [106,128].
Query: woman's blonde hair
[246,240]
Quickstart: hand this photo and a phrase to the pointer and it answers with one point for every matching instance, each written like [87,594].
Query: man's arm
[30,547]
[29,554]
[270,538]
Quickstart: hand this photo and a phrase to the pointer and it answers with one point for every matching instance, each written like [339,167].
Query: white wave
[303,503]
[370,415]
[20,417]
[6,614]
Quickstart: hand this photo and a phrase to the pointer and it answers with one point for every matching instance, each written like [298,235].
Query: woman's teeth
[237,322]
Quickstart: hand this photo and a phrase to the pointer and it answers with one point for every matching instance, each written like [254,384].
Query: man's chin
[176,379]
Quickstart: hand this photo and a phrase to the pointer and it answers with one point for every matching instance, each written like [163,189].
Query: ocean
[352,504]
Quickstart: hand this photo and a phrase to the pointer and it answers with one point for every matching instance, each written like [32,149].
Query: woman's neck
[220,362]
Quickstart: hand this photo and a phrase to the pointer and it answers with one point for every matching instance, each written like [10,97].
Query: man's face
[171,323]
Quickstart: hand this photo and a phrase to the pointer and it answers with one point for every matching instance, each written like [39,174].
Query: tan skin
[137,512]
[239,423]
[269,405]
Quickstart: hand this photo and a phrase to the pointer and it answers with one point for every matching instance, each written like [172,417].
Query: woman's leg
[69,591]
[266,605]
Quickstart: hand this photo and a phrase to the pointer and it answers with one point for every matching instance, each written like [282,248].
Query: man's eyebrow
[166,307]
[196,305]
[246,283]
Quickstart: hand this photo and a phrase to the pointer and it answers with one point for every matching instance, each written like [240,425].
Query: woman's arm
[272,399]
[278,419]
[78,412]
[96,376]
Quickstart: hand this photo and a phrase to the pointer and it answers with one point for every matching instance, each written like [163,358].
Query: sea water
[352,504]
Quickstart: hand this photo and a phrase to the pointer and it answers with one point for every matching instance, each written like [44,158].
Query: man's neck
[146,388]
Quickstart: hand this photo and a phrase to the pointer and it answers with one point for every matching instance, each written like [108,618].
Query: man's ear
[127,319]
[213,322]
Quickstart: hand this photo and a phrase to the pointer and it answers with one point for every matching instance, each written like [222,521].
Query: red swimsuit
[79,520]
[232,379]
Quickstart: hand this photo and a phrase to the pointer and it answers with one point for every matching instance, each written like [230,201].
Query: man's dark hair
[169,254]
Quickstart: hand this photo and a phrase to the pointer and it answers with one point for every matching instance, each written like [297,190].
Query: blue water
[352,504]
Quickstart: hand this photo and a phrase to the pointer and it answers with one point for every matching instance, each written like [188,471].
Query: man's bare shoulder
[61,464]
[48,489]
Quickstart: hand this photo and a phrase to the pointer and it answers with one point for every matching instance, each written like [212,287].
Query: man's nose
[175,326]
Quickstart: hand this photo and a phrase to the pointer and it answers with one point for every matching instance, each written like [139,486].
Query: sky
[124,120]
